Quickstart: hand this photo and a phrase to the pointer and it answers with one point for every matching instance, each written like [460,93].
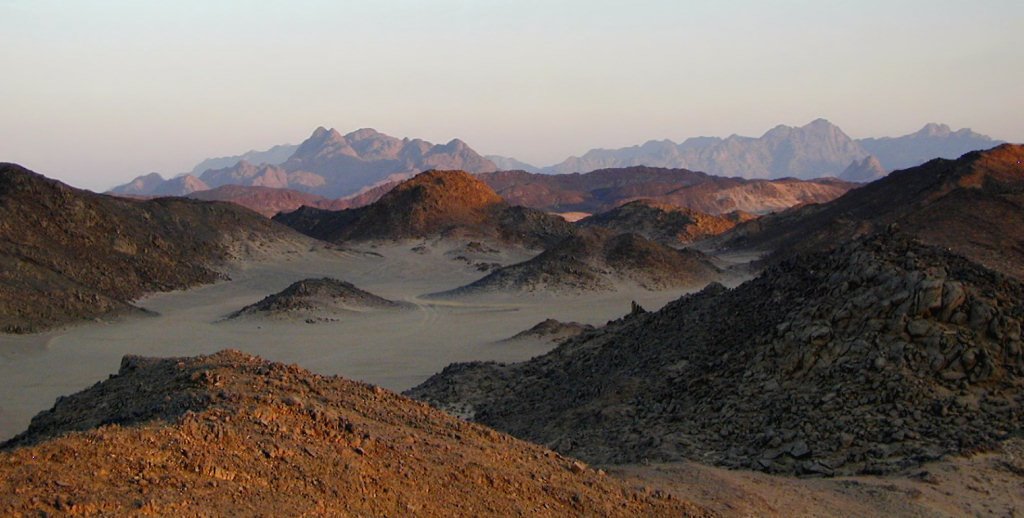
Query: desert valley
[513,259]
[704,344]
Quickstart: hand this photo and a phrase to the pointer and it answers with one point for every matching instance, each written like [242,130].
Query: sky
[96,92]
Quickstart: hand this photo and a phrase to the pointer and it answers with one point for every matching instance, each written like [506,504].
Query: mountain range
[814,150]
[327,164]
[333,165]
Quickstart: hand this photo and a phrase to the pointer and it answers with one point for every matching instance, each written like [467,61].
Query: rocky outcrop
[870,358]
[230,434]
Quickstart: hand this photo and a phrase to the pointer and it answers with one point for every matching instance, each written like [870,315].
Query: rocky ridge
[434,203]
[666,224]
[605,189]
[874,357]
[973,205]
[230,434]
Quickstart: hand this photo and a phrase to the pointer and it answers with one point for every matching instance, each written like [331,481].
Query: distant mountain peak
[867,170]
[363,134]
[933,129]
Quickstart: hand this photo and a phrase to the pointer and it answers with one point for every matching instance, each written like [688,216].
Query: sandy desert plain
[393,349]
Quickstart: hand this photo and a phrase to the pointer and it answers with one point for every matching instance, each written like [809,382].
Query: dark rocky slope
[876,356]
[68,255]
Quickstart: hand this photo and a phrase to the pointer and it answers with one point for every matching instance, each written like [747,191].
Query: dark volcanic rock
[318,298]
[870,358]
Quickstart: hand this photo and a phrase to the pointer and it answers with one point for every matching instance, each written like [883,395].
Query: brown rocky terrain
[605,189]
[317,299]
[70,255]
[230,434]
[871,358]
[597,260]
[435,203]
[666,224]
[973,206]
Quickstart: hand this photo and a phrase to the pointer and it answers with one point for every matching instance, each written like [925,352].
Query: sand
[396,350]
[985,484]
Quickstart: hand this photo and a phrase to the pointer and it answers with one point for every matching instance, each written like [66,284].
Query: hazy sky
[96,92]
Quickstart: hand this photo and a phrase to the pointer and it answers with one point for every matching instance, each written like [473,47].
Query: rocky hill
[317,299]
[871,358]
[597,260]
[435,203]
[973,205]
[666,224]
[230,434]
[605,189]
[327,164]
[70,255]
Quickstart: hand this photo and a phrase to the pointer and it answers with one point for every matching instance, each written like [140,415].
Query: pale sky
[97,92]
